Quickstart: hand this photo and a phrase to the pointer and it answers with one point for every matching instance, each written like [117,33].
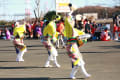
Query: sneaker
[58,66]
[46,66]
[88,76]
[18,60]
[116,39]
[72,77]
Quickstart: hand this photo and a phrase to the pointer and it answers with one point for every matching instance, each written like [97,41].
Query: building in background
[93,16]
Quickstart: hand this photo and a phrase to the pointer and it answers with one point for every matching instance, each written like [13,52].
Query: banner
[62,6]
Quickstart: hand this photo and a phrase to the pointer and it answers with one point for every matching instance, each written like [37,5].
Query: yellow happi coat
[50,30]
[19,31]
[70,31]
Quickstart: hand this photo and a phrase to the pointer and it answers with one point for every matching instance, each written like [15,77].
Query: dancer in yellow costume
[49,33]
[72,47]
[18,34]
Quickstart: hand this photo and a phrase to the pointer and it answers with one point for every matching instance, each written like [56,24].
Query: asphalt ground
[102,62]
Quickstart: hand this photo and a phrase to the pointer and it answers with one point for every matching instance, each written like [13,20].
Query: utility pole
[27,10]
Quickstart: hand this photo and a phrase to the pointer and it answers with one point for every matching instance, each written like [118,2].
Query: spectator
[7,32]
[87,27]
[97,31]
[0,32]
[119,32]
[115,32]
[94,25]
[41,23]
[60,29]
[104,35]
[29,30]
[37,30]
[33,28]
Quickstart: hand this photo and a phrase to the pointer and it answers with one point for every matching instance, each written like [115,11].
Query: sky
[17,7]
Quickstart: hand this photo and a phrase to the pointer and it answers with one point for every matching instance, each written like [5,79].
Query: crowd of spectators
[98,31]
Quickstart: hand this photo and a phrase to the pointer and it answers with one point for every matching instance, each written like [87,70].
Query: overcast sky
[12,7]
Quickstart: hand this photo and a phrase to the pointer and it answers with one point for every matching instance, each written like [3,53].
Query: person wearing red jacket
[104,35]
[119,32]
[60,29]
[115,32]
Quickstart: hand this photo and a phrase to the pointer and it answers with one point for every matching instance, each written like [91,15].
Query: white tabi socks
[20,55]
[47,64]
[55,62]
[84,71]
[74,71]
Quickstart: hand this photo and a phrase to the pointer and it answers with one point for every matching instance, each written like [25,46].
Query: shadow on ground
[7,61]
[35,46]
[22,67]
[109,47]
[92,52]
[39,79]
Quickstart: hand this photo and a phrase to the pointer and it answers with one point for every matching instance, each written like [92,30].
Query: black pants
[97,35]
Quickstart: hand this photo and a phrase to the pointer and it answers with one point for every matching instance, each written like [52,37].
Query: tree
[37,10]
[3,22]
